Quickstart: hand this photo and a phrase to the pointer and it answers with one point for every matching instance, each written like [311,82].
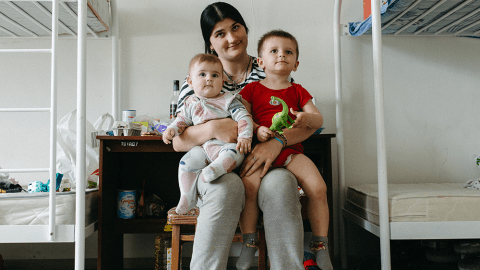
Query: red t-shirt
[259,98]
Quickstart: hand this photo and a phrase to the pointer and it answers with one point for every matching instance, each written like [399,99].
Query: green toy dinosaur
[281,119]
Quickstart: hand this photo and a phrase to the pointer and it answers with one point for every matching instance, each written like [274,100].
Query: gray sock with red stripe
[319,246]
[250,246]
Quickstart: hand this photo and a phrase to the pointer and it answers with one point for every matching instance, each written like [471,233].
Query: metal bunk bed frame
[53,232]
[386,230]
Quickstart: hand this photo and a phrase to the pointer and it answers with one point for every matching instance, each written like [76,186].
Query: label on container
[126,204]
[169,258]
[173,110]
[129,115]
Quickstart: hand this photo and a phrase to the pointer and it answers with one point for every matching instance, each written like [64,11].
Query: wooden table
[125,162]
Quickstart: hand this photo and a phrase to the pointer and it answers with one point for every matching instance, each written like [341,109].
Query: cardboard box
[367,8]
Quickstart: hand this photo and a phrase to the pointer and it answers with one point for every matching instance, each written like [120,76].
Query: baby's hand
[168,135]
[244,146]
[264,133]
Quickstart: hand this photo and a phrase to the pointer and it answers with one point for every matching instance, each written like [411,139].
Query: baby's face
[206,79]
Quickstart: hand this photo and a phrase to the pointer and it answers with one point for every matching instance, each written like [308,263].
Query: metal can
[126,204]
[129,115]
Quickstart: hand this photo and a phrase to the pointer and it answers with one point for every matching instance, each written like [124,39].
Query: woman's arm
[225,130]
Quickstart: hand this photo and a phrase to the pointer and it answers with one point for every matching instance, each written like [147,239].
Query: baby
[214,158]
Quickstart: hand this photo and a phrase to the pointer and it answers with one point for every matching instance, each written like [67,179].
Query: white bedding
[32,208]
[423,202]
[98,17]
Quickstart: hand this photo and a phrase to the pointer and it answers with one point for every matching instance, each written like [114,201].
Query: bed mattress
[32,208]
[426,202]
[11,16]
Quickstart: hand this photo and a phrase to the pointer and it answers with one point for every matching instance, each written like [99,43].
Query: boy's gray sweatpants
[221,204]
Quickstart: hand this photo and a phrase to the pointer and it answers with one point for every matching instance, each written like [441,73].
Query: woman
[225,35]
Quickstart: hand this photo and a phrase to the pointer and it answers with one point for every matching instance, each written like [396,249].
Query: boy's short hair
[276,33]
[203,57]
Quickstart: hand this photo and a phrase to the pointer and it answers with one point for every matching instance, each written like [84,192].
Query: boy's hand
[264,133]
[244,146]
[168,135]
[302,119]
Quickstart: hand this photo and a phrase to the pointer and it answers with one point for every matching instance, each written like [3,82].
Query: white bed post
[81,142]
[380,124]
[339,136]
[53,125]
[115,62]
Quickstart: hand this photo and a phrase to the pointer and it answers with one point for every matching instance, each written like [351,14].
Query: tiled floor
[404,257]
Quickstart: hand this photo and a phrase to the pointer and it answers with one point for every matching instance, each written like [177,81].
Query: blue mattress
[450,25]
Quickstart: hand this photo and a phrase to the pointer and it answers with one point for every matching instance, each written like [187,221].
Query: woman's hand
[264,133]
[262,153]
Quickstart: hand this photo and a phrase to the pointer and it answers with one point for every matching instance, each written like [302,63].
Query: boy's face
[279,55]
[206,79]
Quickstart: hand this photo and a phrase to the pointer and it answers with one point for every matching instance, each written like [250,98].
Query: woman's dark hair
[215,13]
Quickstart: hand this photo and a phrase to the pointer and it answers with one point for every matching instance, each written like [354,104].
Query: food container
[126,132]
[128,115]
[126,204]
[122,128]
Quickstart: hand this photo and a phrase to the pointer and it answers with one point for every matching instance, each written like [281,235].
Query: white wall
[431,109]
[431,90]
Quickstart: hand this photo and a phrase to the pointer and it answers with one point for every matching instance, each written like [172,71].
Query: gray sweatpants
[222,201]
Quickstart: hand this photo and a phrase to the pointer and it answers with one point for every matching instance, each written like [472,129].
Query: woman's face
[229,39]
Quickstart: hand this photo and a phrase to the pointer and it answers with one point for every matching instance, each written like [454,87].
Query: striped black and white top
[256,74]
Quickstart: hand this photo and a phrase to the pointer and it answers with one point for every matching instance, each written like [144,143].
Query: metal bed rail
[337,28]
[81,137]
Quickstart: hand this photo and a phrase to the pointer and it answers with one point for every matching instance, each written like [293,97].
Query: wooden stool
[190,218]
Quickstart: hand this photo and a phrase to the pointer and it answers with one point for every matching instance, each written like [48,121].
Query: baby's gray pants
[222,201]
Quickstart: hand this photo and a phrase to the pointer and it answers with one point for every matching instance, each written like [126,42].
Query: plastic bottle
[159,252]
[163,247]
[163,244]
[174,99]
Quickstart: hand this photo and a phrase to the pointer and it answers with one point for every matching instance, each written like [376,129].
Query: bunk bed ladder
[62,233]
[53,117]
